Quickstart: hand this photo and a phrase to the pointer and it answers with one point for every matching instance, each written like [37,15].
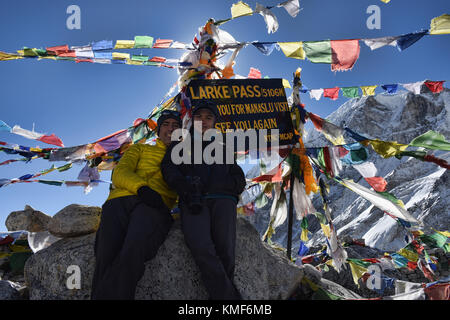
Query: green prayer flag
[139,58]
[321,294]
[431,140]
[151,63]
[436,240]
[447,247]
[350,92]
[304,223]
[65,167]
[415,154]
[50,182]
[359,262]
[261,200]
[143,42]
[318,51]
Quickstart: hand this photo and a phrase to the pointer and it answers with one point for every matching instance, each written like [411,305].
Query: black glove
[151,198]
[194,197]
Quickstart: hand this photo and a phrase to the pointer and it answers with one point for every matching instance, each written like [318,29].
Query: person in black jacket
[208,196]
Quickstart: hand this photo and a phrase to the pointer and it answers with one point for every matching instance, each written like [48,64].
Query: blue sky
[83,102]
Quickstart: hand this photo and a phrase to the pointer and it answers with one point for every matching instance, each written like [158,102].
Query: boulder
[27,219]
[10,290]
[75,220]
[261,272]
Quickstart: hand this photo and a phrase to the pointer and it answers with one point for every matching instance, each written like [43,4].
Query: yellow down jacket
[140,166]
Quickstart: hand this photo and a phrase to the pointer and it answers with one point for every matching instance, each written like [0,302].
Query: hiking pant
[130,234]
[211,237]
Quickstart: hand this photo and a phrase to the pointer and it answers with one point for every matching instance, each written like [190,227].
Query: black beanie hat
[168,114]
[206,105]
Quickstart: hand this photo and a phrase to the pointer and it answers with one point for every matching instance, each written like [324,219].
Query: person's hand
[151,198]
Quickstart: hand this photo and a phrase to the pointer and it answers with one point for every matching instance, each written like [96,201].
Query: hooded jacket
[217,179]
[140,166]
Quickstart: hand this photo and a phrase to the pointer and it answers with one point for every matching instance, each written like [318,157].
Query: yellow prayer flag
[293,49]
[240,9]
[440,25]
[47,57]
[304,235]
[386,1]
[19,248]
[408,254]
[444,233]
[357,271]
[387,149]
[134,62]
[124,44]
[120,55]
[286,84]
[368,90]
[326,230]
[4,56]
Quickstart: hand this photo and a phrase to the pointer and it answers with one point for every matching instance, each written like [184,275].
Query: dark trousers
[130,233]
[211,237]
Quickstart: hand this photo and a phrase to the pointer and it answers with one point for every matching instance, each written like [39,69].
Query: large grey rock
[75,220]
[27,219]
[9,290]
[261,272]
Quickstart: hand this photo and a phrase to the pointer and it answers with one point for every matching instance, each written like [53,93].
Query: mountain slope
[422,186]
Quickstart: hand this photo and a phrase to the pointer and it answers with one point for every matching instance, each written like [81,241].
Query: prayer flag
[143,42]
[254,74]
[332,93]
[124,44]
[293,49]
[162,43]
[102,45]
[315,93]
[390,88]
[435,86]
[4,126]
[431,140]
[413,87]
[387,149]
[269,18]
[344,54]
[265,47]
[350,92]
[240,9]
[440,25]
[376,43]
[291,6]
[368,90]
[407,40]
[318,51]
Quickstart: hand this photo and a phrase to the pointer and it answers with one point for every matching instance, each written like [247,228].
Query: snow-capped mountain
[422,186]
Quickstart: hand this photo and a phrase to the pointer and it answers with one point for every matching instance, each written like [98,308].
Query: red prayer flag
[273,175]
[57,50]
[83,60]
[377,183]
[162,43]
[331,93]
[435,86]
[51,139]
[254,74]
[316,120]
[438,291]
[344,54]
[158,59]
[327,159]
[70,53]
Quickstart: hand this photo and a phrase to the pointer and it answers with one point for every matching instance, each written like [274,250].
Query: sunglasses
[170,113]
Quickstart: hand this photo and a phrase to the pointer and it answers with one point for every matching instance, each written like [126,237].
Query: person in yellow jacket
[135,217]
